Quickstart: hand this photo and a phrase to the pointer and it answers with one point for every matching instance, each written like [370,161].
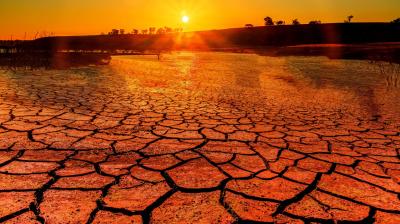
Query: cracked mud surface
[200,138]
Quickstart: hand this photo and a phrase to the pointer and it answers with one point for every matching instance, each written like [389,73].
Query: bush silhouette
[396,20]
[280,22]
[295,22]
[314,22]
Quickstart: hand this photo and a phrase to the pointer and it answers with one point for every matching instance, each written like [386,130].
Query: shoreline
[386,52]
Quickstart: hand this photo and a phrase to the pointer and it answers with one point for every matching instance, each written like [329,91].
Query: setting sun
[185,19]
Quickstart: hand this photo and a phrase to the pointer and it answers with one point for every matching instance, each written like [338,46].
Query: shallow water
[249,82]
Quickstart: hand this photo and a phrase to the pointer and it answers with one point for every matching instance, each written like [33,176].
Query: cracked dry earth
[200,138]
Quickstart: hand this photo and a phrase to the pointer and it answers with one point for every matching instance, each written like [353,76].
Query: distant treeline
[248,37]
[10,43]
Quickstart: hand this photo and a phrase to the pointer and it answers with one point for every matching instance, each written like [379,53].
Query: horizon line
[194,31]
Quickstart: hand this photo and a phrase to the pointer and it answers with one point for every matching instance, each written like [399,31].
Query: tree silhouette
[145,31]
[114,32]
[178,30]
[268,21]
[295,22]
[168,29]
[152,30]
[135,31]
[349,18]
[160,31]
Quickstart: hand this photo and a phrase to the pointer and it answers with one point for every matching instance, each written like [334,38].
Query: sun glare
[185,19]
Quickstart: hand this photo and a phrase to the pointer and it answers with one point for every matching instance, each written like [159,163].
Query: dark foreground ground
[200,139]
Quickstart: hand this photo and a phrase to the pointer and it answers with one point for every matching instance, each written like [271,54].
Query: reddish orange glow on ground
[200,138]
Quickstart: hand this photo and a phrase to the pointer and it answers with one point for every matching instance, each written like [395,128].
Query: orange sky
[78,17]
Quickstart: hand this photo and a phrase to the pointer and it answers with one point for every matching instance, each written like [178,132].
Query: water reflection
[370,82]
[239,81]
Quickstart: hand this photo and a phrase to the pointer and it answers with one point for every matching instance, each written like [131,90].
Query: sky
[23,19]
